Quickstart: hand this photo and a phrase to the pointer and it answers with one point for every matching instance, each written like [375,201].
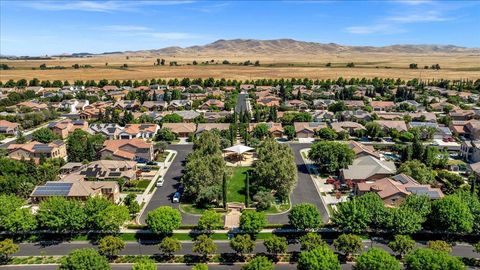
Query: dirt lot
[140,66]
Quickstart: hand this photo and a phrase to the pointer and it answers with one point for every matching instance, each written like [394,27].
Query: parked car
[160,181]
[146,169]
[176,197]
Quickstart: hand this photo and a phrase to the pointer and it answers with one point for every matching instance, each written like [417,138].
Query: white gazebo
[238,150]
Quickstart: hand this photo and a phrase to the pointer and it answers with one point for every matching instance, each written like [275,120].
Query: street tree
[275,245]
[258,263]
[144,264]
[418,171]
[289,131]
[200,266]
[61,214]
[204,246]
[44,135]
[169,246]
[348,244]
[86,258]
[374,130]
[111,246]
[275,168]
[310,241]
[164,220]
[425,258]
[112,218]
[165,134]
[81,146]
[331,156]
[327,133]
[320,258]
[260,131]
[305,216]
[439,245]
[131,202]
[242,244]
[402,244]
[452,214]
[377,259]
[7,248]
[252,222]
[20,220]
[210,220]
[352,216]
[476,247]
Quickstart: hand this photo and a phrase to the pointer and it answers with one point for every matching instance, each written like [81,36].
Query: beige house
[308,129]
[347,126]
[144,131]
[393,190]
[134,149]
[36,150]
[77,188]
[181,129]
[66,127]
[7,127]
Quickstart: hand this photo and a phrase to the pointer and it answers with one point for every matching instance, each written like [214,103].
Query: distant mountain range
[287,47]
[290,46]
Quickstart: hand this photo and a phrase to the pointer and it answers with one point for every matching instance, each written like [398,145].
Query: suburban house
[110,131]
[36,150]
[367,168]
[274,129]
[296,104]
[7,127]
[323,116]
[34,106]
[144,131]
[182,130]
[210,126]
[269,101]
[470,151]
[77,188]
[180,104]
[158,105]
[74,105]
[133,149]
[212,103]
[129,105]
[307,129]
[388,125]
[212,117]
[380,106]
[347,126]
[109,169]
[393,190]
[187,116]
[361,149]
[322,104]
[65,127]
[354,104]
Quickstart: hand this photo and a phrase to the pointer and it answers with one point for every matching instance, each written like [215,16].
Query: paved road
[151,248]
[165,267]
[163,195]
[305,191]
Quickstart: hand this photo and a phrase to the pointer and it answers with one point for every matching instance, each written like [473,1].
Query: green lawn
[236,185]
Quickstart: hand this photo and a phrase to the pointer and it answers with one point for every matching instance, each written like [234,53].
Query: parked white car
[176,197]
[160,181]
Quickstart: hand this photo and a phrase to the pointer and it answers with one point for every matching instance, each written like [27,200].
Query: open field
[140,66]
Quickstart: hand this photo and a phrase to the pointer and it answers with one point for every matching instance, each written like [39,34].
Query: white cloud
[143,31]
[98,6]
[374,29]
[414,2]
[125,28]
[429,16]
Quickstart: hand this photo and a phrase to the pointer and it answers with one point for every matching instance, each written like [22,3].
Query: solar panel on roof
[53,189]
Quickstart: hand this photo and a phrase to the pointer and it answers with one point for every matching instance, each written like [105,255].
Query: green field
[236,185]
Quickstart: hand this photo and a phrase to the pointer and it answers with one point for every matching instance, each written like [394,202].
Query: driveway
[163,195]
[305,191]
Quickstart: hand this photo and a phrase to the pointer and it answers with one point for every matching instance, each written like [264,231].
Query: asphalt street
[164,267]
[151,248]
[163,195]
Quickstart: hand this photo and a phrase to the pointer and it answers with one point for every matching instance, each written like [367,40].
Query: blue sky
[55,27]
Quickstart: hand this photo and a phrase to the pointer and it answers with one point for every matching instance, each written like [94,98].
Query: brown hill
[290,46]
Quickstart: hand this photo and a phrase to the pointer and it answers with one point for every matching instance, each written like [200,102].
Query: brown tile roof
[137,128]
[8,124]
[180,127]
